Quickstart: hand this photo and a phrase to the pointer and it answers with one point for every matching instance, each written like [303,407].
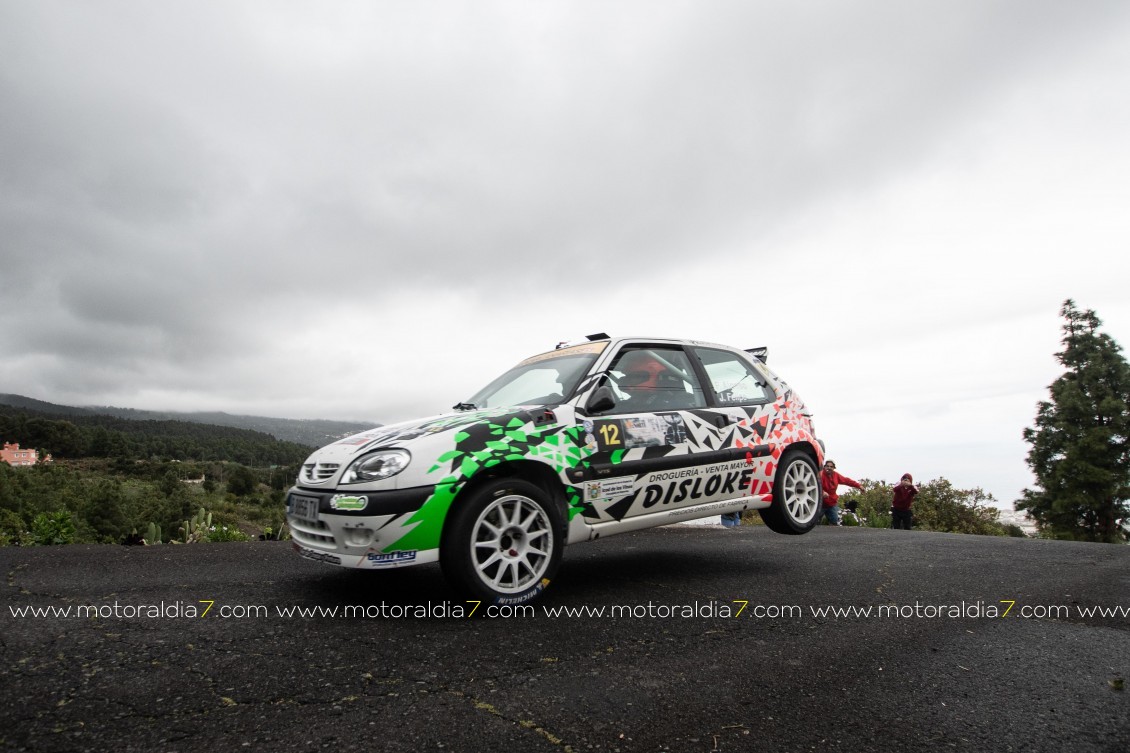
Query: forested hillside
[90,435]
[312,432]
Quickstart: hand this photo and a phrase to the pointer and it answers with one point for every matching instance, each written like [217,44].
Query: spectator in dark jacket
[901,516]
[830,481]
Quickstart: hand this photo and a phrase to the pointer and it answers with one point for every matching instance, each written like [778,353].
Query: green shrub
[226,533]
[53,528]
[13,530]
[937,507]
[282,533]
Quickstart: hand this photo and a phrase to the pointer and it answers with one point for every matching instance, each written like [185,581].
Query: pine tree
[1080,449]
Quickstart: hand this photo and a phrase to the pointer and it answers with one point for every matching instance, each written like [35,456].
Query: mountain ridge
[314,432]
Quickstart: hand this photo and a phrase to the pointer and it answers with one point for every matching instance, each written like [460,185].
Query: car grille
[312,534]
[319,472]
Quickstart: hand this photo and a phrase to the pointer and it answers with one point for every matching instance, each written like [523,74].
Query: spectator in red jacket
[901,516]
[830,481]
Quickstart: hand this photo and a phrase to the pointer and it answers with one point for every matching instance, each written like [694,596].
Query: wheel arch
[532,472]
[811,450]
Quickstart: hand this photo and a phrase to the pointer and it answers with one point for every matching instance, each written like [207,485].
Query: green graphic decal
[429,517]
[577,505]
[489,442]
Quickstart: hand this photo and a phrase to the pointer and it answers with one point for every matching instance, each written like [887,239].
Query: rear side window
[733,380]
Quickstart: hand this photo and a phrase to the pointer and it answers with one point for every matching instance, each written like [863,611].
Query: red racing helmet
[641,370]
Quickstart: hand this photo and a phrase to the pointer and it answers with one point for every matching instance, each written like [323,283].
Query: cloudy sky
[367,210]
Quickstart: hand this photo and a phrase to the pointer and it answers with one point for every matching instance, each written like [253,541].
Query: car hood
[410,433]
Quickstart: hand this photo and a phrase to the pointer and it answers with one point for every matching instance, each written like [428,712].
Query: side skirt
[666,517]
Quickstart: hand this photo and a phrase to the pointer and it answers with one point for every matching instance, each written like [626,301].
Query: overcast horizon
[367,211]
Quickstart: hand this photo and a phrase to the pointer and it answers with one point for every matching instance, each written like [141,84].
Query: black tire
[503,544]
[796,495]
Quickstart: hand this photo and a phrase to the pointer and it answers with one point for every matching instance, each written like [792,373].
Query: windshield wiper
[465,406]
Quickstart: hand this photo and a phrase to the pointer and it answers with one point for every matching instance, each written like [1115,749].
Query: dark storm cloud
[182,182]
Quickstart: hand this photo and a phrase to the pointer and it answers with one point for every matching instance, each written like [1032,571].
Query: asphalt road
[677,669]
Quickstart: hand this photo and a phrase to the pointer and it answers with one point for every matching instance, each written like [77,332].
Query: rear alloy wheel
[505,543]
[796,495]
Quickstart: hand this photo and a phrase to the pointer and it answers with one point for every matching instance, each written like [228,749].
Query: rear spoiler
[761,354]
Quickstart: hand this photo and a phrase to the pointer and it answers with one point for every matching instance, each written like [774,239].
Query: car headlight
[376,466]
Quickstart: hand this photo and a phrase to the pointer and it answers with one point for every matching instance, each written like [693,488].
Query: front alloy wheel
[505,543]
[511,543]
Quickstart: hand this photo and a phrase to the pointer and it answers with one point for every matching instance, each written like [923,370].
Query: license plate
[304,508]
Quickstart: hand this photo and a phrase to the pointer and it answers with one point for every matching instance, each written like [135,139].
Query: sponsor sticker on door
[609,488]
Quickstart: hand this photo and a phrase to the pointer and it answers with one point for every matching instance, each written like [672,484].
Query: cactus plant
[196,530]
[153,535]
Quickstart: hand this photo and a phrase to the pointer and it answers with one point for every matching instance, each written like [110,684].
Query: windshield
[542,380]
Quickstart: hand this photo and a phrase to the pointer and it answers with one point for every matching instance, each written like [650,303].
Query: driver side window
[647,380]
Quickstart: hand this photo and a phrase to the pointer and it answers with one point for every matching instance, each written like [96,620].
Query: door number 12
[611,433]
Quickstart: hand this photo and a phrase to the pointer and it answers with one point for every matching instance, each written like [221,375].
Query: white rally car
[612,435]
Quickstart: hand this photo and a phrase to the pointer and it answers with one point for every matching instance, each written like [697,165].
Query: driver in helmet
[647,380]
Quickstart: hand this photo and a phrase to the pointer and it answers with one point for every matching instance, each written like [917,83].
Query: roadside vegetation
[939,506]
[141,501]
[114,480]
